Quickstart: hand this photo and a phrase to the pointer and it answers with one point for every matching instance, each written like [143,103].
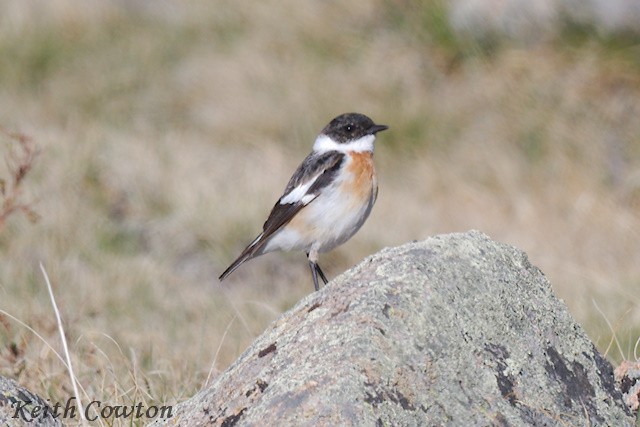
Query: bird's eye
[348,128]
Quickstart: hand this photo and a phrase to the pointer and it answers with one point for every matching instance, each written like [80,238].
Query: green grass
[153,125]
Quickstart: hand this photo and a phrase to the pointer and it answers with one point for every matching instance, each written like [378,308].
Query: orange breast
[339,212]
[363,176]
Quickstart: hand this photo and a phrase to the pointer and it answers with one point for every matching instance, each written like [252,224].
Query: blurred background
[165,132]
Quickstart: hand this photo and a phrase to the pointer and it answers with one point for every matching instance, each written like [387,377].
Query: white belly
[328,221]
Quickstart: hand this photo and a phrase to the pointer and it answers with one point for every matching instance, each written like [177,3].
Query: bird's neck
[361,145]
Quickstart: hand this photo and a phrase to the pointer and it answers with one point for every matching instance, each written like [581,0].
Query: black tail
[251,251]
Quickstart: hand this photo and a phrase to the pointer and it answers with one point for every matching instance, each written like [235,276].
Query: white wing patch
[308,198]
[299,193]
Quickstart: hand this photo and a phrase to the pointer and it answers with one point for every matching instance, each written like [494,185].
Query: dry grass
[154,122]
[20,158]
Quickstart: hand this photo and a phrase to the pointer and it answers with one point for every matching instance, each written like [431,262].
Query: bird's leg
[322,276]
[314,274]
[312,255]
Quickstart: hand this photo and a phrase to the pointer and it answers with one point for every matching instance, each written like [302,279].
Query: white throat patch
[324,143]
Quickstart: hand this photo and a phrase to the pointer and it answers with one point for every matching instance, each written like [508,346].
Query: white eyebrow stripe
[299,193]
[324,143]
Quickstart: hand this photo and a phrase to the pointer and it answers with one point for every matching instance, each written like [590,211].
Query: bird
[327,199]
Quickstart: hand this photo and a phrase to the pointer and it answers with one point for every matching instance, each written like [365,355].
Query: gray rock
[627,377]
[20,407]
[456,330]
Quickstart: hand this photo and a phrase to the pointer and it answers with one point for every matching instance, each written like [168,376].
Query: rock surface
[456,330]
[17,406]
[627,377]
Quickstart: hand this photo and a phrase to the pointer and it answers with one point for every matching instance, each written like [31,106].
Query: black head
[350,127]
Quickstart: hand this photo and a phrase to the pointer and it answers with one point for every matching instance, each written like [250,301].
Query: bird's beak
[377,128]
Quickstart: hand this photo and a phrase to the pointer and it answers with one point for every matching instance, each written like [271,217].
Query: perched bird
[327,199]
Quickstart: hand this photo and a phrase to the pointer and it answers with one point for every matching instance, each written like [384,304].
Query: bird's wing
[315,173]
